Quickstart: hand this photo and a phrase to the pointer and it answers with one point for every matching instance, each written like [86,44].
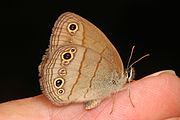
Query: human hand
[155,97]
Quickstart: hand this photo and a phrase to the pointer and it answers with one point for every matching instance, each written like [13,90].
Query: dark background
[26,27]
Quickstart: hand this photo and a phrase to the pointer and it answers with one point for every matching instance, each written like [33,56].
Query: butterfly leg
[130,78]
[92,104]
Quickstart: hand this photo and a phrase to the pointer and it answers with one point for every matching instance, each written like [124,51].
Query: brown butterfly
[81,64]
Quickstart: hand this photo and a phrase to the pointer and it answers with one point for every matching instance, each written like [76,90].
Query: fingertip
[171,72]
[157,95]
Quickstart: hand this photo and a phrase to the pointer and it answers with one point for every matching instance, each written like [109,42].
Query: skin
[155,97]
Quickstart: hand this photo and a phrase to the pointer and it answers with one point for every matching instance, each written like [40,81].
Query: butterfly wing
[87,35]
[80,64]
[71,74]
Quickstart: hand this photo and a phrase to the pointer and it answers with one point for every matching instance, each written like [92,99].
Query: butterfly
[81,64]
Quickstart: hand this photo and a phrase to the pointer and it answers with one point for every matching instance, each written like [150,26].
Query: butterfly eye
[72,27]
[58,82]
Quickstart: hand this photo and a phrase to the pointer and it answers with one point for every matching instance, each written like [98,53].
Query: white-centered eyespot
[58,82]
[64,63]
[61,91]
[72,27]
[67,56]
[73,50]
[62,72]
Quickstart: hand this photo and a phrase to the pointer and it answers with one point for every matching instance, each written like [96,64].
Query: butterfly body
[81,64]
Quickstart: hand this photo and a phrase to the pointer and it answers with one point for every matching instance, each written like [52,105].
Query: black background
[26,27]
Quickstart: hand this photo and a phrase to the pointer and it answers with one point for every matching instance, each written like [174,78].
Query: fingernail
[163,71]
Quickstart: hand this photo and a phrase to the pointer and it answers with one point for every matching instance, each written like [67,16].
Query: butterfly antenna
[132,50]
[138,60]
